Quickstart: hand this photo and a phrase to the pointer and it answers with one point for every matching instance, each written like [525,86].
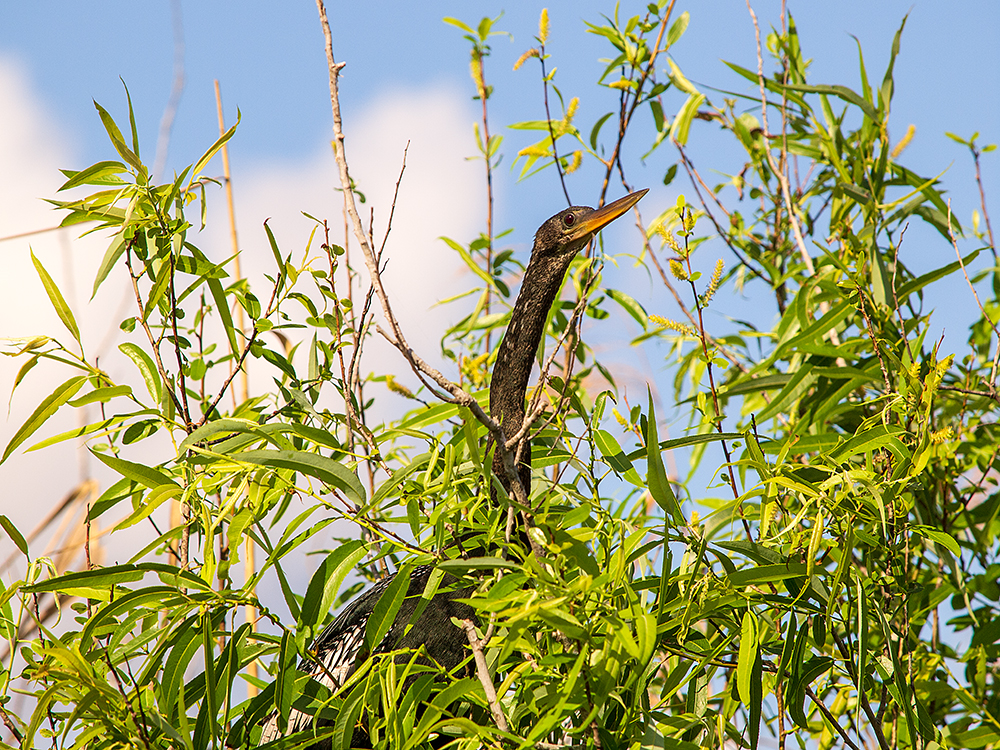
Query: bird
[339,649]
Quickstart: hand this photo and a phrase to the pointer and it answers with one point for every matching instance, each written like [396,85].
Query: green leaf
[214,148]
[102,173]
[57,300]
[458,24]
[921,281]
[46,409]
[14,534]
[144,475]
[147,369]
[311,464]
[630,306]
[943,538]
[767,573]
[222,307]
[747,655]
[130,157]
[325,584]
[111,256]
[677,28]
[99,579]
[615,457]
[102,395]
[682,123]
[216,428]
[656,475]
[386,608]
[880,436]
[597,129]
[839,91]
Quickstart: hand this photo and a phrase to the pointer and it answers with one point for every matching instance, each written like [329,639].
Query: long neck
[542,280]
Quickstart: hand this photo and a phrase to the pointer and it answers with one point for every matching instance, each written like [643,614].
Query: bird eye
[569,219]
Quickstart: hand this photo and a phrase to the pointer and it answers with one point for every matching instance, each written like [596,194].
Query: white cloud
[441,194]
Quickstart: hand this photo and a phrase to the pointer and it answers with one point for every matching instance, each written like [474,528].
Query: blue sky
[269,59]
[406,79]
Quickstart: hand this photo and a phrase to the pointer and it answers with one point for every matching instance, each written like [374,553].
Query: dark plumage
[338,647]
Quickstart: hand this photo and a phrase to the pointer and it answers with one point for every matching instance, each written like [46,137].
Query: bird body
[338,649]
[337,652]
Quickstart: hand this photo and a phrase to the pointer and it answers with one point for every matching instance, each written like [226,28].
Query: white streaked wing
[336,649]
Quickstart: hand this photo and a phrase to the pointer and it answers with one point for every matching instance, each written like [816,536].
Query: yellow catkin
[543,26]
[533,52]
[621,420]
[668,238]
[476,66]
[942,436]
[713,285]
[901,146]
[533,151]
[402,390]
[673,325]
[678,270]
[574,103]
[575,163]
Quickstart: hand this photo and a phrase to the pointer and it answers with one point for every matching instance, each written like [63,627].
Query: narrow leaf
[312,464]
[46,409]
[57,300]
[656,475]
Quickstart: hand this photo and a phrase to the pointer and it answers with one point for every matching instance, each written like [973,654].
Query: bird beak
[606,214]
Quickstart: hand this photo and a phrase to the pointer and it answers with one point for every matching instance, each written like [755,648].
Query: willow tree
[835,584]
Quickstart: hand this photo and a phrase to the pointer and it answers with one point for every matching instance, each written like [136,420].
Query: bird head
[566,233]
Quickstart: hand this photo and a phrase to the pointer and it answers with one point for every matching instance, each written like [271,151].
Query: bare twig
[871,335]
[445,390]
[982,201]
[140,724]
[479,77]
[149,333]
[483,672]
[624,117]
[186,413]
[548,121]
[249,558]
[778,173]
[830,718]
[987,318]
[724,235]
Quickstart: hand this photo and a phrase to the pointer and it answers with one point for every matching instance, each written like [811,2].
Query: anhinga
[337,650]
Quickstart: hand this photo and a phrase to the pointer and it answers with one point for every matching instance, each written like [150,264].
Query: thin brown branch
[724,235]
[982,202]
[186,413]
[548,121]
[778,173]
[987,318]
[487,157]
[225,385]
[140,725]
[483,672]
[830,718]
[871,335]
[446,389]
[625,118]
[149,333]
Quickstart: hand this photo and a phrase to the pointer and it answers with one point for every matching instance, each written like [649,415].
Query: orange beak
[606,214]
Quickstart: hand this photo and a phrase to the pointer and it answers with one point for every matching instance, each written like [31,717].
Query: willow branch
[483,672]
[446,390]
